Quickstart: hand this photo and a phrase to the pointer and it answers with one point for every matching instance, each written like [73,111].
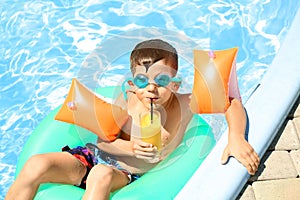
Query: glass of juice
[150,128]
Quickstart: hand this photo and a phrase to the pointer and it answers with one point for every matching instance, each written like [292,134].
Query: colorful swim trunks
[91,155]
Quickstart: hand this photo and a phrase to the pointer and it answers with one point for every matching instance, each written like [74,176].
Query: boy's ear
[175,86]
[130,83]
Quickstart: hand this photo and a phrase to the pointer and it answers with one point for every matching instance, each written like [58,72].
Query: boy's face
[156,74]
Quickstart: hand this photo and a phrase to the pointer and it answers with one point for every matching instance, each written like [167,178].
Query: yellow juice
[150,129]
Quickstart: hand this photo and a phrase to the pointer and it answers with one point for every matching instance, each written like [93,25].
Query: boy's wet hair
[150,51]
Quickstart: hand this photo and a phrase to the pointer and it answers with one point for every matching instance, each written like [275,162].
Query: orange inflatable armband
[215,81]
[83,108]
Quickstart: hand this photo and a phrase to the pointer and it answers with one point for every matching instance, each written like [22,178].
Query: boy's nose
[151,87]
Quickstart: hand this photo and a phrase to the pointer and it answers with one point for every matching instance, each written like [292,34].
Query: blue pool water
[44,43]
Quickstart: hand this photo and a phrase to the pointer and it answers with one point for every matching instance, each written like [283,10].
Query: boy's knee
[101,173]
[35,166]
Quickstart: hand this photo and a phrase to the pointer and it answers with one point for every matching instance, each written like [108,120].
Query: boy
[154,65]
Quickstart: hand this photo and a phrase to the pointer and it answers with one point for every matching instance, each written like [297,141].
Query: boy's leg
[51,167]
[102,180]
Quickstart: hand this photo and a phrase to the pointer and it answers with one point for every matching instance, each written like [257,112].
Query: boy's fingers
[251,164]
[251,168]
[256,160]
[145,153]
[143,157]
[143,150]
[143,144]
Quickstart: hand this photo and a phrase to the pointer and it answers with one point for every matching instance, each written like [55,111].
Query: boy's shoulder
[184,97]
[184,101]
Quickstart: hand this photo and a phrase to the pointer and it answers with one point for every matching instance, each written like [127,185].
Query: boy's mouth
[152,99]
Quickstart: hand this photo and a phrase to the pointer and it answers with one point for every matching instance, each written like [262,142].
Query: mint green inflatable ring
[162,182]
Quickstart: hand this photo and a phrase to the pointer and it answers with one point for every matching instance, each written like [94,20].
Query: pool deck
[278,174]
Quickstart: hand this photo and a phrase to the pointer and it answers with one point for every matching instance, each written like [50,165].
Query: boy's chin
[155,105]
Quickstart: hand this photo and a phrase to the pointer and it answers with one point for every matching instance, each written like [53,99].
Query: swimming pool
[43,44]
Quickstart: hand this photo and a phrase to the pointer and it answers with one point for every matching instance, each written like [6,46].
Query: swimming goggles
[162,80]
[141,81]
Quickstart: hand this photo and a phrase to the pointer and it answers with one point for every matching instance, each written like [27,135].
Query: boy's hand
[145,151]
[243,152]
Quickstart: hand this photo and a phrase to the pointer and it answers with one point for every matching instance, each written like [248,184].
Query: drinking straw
[151,111]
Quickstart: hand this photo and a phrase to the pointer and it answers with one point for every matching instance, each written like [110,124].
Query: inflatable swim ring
[162,182]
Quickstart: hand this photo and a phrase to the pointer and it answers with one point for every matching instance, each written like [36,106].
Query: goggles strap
[124,89]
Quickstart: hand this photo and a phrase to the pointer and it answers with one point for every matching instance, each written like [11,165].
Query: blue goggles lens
[162,80]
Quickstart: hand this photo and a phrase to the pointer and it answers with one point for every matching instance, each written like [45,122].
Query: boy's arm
[118,147]
[238,146]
